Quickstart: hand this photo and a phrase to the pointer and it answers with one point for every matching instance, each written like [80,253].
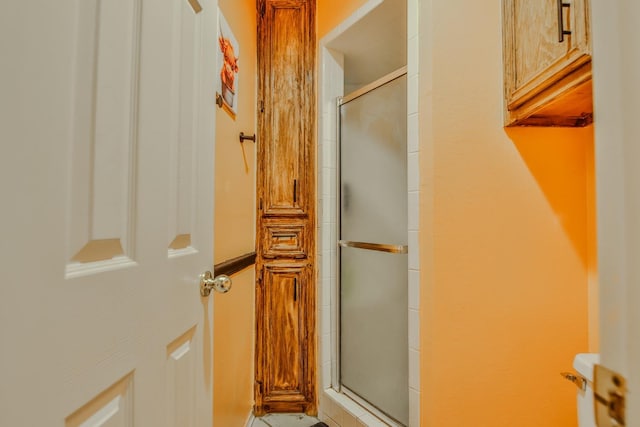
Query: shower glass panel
[373,246]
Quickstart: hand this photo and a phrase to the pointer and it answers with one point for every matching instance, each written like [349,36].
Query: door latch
[609,390]
[578,380]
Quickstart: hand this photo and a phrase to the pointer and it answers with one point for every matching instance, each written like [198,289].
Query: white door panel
[106,170]
[617,107]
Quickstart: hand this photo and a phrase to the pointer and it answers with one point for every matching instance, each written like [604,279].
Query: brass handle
[561,31]
[394,249]
[295,191]
[221,283]
[578,380]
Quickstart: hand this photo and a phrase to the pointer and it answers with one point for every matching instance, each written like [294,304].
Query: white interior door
[106,170]
[617,108]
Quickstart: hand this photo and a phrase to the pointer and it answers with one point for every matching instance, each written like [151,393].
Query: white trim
[77,269]
[354,409]
[402,71]
[370,408]
[250,420]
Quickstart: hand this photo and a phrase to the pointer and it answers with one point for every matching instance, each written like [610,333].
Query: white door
[617,109]
[106,167]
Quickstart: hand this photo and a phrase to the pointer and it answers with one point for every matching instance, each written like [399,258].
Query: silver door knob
[221,283]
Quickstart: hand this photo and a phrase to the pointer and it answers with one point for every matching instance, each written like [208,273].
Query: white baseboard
[250,419]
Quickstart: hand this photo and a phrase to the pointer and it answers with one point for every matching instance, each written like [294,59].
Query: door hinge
[260,203]
[609,393]
[259,384]
[261,274]
[261,106]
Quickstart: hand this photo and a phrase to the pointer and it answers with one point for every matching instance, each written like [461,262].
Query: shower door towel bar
[394,249]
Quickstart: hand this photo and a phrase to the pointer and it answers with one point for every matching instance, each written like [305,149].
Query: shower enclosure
[372,239]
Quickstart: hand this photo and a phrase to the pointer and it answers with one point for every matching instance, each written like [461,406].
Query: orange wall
[506,237]
[332,12]
[235,230]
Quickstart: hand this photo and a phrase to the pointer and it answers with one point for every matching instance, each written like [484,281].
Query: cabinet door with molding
[286,122]
[547,62]
[284,361]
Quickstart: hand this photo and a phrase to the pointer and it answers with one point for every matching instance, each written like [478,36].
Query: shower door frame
[336,384]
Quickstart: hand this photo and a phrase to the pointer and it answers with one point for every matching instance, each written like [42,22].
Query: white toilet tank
[583,364]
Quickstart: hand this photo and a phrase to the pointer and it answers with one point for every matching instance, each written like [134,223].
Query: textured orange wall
[332,12]
[235,231]
[506,236]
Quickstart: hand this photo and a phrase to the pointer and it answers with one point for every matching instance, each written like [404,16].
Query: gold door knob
[221,283]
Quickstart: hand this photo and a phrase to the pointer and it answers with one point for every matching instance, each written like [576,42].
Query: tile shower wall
[337,409]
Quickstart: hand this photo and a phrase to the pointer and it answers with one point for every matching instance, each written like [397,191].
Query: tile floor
[284,420]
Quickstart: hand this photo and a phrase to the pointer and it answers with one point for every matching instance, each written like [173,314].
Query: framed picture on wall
[228,57]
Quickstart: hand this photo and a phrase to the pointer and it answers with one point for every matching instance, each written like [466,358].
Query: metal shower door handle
[394,249]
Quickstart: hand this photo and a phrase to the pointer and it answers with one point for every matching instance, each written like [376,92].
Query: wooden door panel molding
[284,319]
[285,239]
[286,327]
[286,58]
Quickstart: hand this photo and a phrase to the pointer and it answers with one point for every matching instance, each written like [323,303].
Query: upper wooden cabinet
[547,74]
[286,37]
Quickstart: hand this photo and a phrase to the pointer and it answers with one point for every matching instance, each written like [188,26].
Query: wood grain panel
[541,46]
[283,320]
[284,239]
[286,53]
[285,374]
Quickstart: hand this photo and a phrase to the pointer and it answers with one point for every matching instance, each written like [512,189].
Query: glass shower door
[373,246]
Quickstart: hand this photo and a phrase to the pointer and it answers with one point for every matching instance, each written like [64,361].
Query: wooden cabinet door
[285,295]
[286,38]
[539,68]
[285,310]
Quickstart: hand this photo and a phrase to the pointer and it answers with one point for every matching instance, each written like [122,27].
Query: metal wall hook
[243,137]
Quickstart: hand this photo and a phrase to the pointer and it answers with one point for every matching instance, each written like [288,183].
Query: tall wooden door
[106,171]
[617,96]
[285,292]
